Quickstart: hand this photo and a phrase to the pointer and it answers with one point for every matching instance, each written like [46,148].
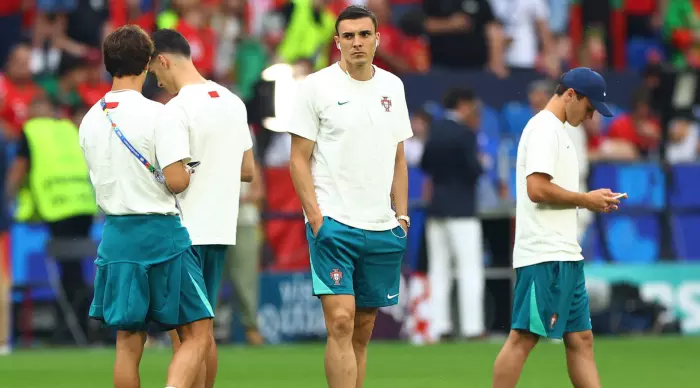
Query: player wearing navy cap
[550,298]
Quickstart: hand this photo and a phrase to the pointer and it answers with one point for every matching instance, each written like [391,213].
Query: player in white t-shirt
[147,269]
[348,166]
[219,139]
[550,297]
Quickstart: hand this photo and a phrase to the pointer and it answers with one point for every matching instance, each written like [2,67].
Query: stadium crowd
[50,51]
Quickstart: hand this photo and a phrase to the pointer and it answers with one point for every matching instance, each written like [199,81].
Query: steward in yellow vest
[310,31]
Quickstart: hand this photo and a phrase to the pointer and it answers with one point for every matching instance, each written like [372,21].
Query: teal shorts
[352,261]
[213,259]
[550,299]
[147,271]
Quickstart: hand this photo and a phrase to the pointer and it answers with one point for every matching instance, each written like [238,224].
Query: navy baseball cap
[590,84]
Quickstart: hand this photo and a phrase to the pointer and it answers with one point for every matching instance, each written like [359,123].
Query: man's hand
[404,225]
[601,200]
[316,225]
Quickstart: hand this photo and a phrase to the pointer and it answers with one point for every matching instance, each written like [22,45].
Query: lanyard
[157,173]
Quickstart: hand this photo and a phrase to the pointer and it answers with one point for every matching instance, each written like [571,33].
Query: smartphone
[193,164]
[620,196]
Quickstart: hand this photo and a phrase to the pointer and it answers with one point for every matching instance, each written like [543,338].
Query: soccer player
[147,269]
[550,297]
[219,138]
[348,168]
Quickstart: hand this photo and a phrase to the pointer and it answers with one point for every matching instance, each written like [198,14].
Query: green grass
[623,363]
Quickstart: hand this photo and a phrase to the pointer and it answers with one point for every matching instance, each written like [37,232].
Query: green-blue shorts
[352,261]
[550,299]
[213,259]
[147,271]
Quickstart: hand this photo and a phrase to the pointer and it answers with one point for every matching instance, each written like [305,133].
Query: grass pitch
[623,363]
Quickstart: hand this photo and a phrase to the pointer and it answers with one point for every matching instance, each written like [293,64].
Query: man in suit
[451,161]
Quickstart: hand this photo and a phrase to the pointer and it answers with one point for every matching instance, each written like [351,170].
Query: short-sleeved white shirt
[123,185]
[520,19]
[357,126]
[545,232]
[216,122]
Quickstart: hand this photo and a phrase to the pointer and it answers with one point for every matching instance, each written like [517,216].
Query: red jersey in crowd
[202,45]
[15,102]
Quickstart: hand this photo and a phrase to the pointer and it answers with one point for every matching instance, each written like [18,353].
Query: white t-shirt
[217,125]
[520,26]
[123,185]
[545,232]
[357,126]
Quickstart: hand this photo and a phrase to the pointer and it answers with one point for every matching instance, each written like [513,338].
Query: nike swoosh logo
[342,103]
[388,296]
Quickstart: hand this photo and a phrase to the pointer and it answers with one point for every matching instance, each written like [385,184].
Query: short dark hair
[171,42]
[456,95]
[561,89]
[127,51]
[355,12]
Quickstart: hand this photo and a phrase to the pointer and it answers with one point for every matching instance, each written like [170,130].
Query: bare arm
[248,166]
[399,186]
[540,189]
[457,22]
[496,38]
[300,170]
[177,178]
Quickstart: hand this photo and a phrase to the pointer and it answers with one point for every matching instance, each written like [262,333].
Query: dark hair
[456,95]
[171,42]
[127,51]
[355,12]
[561,89]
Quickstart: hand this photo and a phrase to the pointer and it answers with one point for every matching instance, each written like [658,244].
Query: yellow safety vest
[305,38]
[58,185]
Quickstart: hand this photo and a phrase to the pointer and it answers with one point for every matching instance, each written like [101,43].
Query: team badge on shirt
[336,276]
[386,103]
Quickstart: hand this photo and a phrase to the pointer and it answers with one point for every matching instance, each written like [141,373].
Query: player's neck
[134,83]
[189,76]
[558,108]
[360,73]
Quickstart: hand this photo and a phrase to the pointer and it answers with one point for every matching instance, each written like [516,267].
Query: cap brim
[602,108]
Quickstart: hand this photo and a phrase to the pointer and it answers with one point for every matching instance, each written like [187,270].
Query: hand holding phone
[620,196]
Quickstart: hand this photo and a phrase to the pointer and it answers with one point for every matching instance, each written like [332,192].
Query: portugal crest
[336,276]
[386,103]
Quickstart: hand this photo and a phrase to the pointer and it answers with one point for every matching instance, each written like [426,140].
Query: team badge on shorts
[336,276]
[386,103]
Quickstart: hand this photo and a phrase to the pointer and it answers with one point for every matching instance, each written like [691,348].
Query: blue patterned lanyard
[157,173]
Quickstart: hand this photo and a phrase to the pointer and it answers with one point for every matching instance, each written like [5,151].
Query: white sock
[169,387]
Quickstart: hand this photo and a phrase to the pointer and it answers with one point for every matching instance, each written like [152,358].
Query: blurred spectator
[682,32]
[559,18]
[84,27]
[414,146]
[393,53]
[451,161]
[63,89]
[644,17]
[464,35]
[683,139]
[193,25]
[308,27]
[10,26]
[17,89]
[539,94]
[601,148]
[243,259]
[526,24]
[593,52]
[49,151]
[639,127]
[93,86]
[229,23]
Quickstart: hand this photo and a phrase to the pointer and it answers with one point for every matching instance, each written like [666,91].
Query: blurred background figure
[452,163]
[683,139]
[243,259]
[413,147]
[49,179]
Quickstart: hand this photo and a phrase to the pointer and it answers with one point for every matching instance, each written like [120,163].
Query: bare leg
[511,359]
[212,363]
[199,382]
[340,363]
[5,305]
[580,359]
[364,324]
[188,360]
[126,365]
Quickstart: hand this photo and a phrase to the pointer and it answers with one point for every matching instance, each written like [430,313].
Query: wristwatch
[405,218]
